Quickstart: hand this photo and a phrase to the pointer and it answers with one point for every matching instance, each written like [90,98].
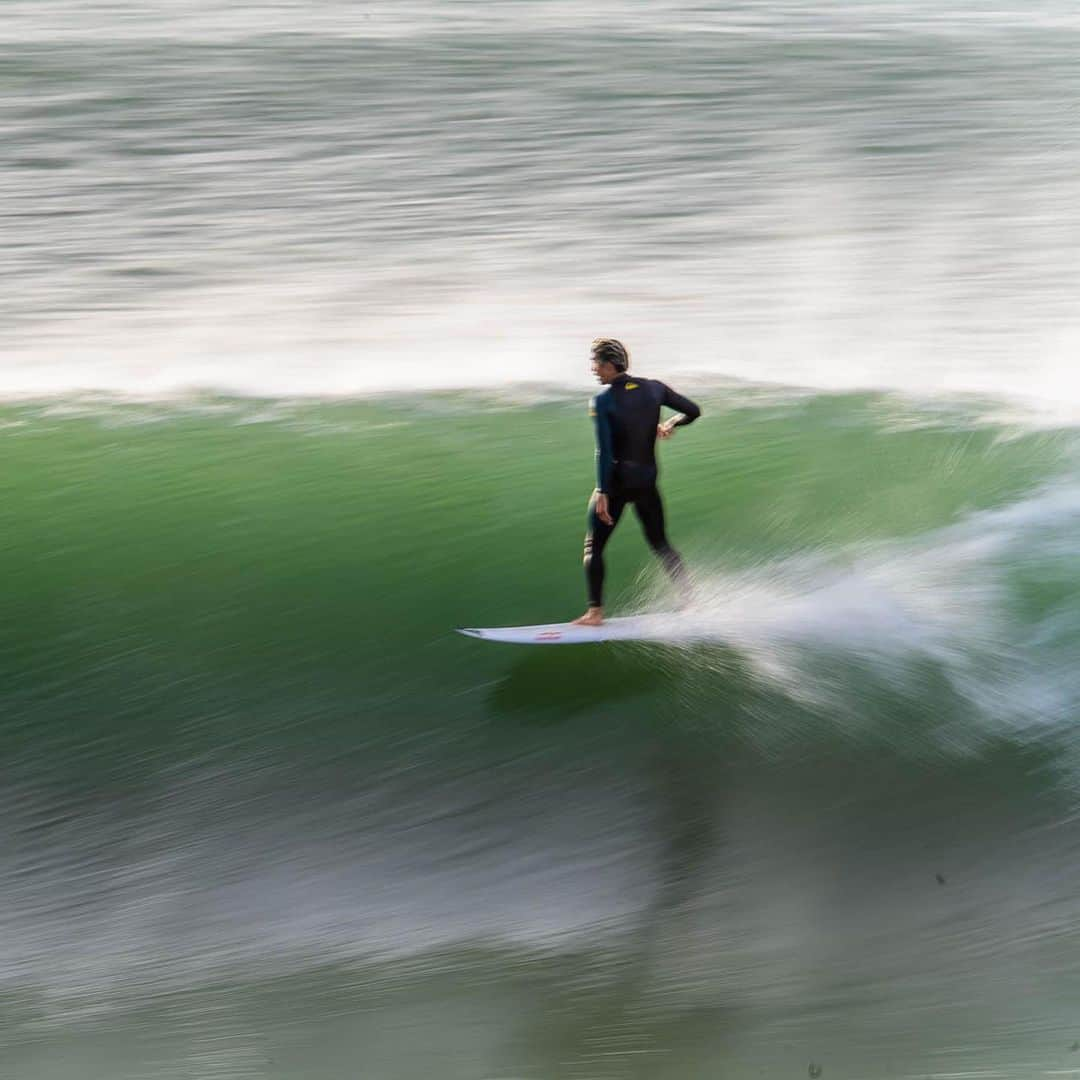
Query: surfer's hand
[665,430]
[601,508]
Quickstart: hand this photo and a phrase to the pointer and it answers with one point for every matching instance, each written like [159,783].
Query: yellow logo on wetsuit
[631,386]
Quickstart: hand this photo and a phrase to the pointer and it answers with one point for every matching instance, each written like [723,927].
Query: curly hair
[612,351]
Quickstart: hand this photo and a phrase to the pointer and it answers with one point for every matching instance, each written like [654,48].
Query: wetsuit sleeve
[605,452]
[690,412]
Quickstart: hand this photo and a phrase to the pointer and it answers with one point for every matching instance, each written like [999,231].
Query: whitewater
[277,201]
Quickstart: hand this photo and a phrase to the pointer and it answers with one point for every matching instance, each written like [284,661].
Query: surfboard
[626,628]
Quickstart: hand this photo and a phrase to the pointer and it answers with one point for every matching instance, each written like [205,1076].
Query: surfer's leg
[650,512]
[596,539]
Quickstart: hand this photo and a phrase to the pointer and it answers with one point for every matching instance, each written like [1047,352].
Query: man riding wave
[626,414]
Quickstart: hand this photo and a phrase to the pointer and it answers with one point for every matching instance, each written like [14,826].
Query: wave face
[265,814]
[307,198]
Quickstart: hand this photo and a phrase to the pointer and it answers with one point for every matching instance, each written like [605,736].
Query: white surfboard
[659,627]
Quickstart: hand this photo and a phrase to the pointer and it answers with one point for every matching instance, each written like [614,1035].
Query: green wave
[168,563]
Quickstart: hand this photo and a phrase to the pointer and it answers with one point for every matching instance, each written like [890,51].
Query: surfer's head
[610,358]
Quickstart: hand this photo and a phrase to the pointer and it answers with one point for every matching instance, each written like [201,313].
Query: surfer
[627,418]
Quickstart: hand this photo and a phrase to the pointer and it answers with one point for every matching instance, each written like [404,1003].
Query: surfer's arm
[605,446]
[687,410]
[687,413]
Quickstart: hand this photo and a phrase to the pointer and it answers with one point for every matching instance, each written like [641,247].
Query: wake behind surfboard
[628,628]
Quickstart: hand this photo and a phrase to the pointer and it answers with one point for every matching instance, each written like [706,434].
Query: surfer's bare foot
[593,617]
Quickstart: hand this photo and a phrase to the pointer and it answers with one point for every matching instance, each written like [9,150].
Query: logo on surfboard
[549,635]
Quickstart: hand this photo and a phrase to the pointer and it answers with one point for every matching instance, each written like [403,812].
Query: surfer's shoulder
[654,388]
[600,401]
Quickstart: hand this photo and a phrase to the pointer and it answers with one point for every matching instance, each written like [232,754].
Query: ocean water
[280,198]
[293,370]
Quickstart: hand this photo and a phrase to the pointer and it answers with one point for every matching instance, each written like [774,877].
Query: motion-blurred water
[329,197]
[263,814]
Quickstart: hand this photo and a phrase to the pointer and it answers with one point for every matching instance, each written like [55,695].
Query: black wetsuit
[626,413]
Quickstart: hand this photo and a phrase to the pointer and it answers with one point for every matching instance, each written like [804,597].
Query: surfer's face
[604,370]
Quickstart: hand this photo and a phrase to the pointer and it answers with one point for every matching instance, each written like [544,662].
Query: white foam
[943,599]
[279,342]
